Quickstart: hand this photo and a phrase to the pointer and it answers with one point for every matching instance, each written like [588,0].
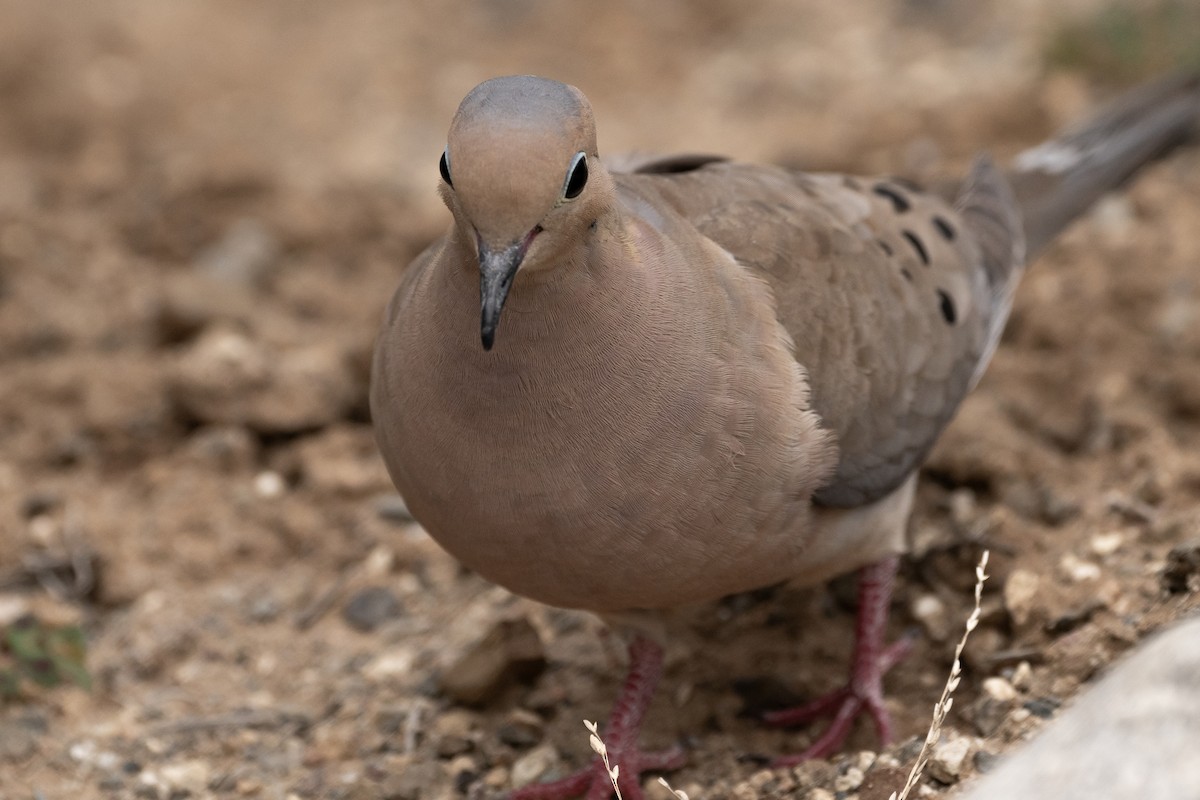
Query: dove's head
[521,175]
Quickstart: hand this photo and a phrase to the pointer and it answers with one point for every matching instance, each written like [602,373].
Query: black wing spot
[948,311]
[884,246]
[918,246]
[899,201]
[907,275]
[944,228]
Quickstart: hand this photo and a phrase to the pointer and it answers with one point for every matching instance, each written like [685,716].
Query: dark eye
[577,177]
[444,167]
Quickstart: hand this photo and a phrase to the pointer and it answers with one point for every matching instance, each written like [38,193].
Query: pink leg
[620,737]
[871,661]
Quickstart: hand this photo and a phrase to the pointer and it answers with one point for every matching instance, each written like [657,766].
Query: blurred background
[204,207]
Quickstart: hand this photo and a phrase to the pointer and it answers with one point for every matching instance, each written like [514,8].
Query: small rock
[1077,570]
[393,508]
[17,742]
[849,780]
[1042,707]
[452,733]
[12,608]
[1020,593]
[415,781]
[534,765]
[522,729]
[370,608]
[990,710]
[224,377]
[496,777]
[242,255]
[269,485]
[948,758]
[247,787]
[985,761]
[225,447]
[263,606]
[40,502]
[1105,544]
[1182,571]
[390,663]
[820,793]
[190,776]
[930,611]
[999,689]
[1022,677]
[510,651]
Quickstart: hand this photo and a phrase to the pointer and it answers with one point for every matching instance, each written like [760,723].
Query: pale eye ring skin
[444,167]
[577,177]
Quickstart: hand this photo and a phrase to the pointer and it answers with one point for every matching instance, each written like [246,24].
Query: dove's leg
[620,739]
[872,659]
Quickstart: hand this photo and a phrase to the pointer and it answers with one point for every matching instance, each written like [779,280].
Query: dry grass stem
[946,701]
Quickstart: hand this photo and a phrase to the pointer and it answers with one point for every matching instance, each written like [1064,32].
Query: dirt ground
[204,207]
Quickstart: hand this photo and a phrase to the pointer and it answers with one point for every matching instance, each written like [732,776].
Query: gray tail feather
[990,212]
[1059,179]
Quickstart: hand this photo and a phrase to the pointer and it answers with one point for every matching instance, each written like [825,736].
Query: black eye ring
[577,177]
[444,167]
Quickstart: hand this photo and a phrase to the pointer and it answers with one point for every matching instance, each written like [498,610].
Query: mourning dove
[630,392]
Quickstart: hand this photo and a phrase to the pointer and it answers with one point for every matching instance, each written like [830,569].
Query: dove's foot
[620,739]
[871,662]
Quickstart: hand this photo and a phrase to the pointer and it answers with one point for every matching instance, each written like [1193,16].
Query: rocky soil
[203,209]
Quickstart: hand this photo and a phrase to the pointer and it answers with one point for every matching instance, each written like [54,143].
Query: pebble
[242,255]
[40,502]
[269,485]
[948,758]
[224,377]
[930,611]
[1042,707]
[393,508]
[17,742]
[1020,593]
[371,607]
[985,761]
[391,663]
[452,733]
[1181,573]
[533,765]
[415,781]
[191,776]
[510,651]
[992,707]
[522,729]
[1105,544]
[1022,677]
[849,780]
[1077,570]
[12,608]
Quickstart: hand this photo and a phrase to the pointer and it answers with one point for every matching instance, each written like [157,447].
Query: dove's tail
[1057,180]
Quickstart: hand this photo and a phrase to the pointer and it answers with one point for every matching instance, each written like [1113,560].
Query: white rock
[949,756]
[1078,570]
[999,689]
[930,611]
[1020,591]
[192,775]
[533,765]
[1105,544]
